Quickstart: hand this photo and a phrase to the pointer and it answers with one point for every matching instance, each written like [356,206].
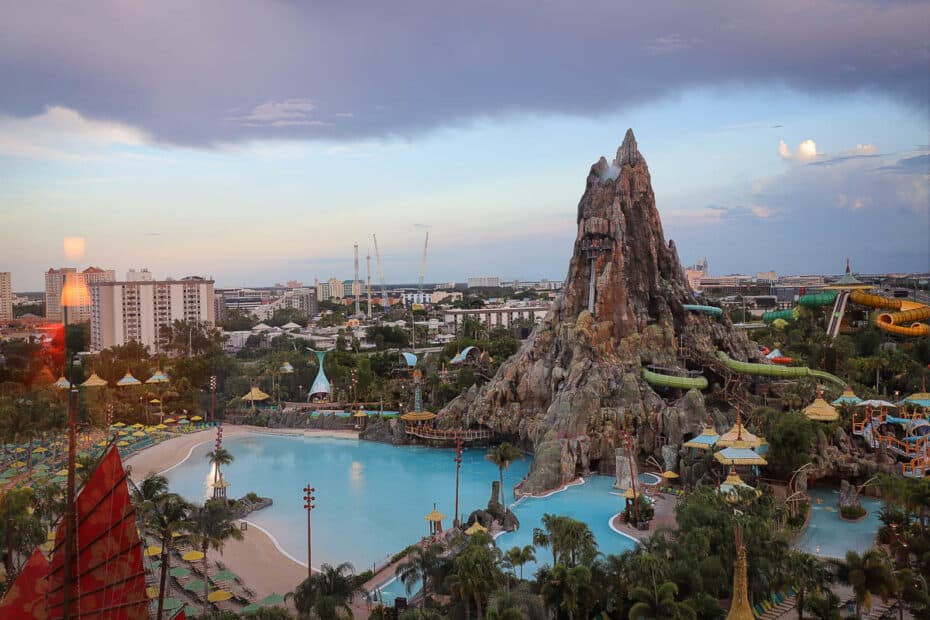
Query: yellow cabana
[192,556]
[739,433]
[705,441]
[94,380]
[733,483]
[740,453]
[360,414]
[628,494]
[435,516]
[255,394]
[820,410]
[418,416]
[219,595]
[475,528]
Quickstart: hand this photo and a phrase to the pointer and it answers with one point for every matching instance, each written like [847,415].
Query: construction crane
[356,292]
[422,270]
[385,303]
[368,276]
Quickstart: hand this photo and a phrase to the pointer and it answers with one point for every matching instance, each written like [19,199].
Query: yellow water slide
[904,322]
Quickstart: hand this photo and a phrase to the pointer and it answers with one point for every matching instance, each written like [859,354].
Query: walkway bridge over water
[451,435]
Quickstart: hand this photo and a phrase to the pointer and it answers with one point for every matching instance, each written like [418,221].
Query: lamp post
[629,454]
[309,498]
[212,398]
[458,466]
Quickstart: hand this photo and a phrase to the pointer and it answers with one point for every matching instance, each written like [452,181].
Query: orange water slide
[904,322]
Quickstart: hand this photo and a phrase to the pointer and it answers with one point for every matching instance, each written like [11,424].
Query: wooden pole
[309,498]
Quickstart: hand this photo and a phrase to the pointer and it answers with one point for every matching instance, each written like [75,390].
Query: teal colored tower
[321,386]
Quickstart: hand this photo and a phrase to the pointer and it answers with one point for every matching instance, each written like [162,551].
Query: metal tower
[355,286]
[368,276]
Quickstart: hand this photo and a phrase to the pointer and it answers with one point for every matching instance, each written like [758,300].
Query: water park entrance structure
[321,390]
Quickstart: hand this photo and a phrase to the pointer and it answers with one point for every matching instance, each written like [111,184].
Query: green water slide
[785,315]
[817,299]
[671,381]
[712,310]
[772,370]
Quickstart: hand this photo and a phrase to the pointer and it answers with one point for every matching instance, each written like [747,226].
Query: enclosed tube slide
[902,323]
[712,310]
[808,301]
[785,315]
[671,381]
[770,370]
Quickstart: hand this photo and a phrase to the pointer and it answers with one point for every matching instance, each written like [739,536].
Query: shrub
[855,511]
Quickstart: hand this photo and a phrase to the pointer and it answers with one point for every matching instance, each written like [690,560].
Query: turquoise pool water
[829,536]
[371,497]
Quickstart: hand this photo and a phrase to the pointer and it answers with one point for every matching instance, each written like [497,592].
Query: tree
[807,574]
[567,589]
[474,573]
[166,518]
[868,574]
[659,604]
[326,593]
[217,458]
[211,525]
[518,557]
[502,455]
[790,442]
[571,541]
[824,606]
[422,564]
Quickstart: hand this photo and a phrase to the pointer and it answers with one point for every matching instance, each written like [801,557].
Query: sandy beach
[255,558]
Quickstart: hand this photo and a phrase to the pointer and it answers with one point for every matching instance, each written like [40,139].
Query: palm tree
[807,574]
[474,573]
[211,525]
[571,541]
[518,557]
[220,456]
[659,604]
[166,518]
[422,565]
[326,593]
[868,574]
[502,455]
[152,488]
[823,607]
[567,589]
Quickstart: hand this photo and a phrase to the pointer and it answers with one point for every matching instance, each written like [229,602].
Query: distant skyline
[258,142]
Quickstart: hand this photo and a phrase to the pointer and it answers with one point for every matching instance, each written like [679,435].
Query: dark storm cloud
[219,70]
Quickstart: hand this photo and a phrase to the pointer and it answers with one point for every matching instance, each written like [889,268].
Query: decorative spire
[739,606]
[848,270]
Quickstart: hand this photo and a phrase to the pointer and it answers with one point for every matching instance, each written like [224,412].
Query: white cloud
[62,133]
[807,151]
[285,113]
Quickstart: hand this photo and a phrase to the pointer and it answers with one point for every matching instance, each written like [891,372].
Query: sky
[257,142]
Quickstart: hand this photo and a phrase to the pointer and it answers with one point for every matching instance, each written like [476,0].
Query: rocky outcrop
[576,385]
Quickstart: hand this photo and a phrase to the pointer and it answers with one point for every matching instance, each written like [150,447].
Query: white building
[6,296]
[303,299]
[139,275]
[439,297]
[80,303]
[483,281]
[135,311]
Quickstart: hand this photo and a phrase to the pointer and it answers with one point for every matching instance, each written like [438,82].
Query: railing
[916,468]
[429,432]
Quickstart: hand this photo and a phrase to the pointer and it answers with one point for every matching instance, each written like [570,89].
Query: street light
[309,498]
[458,466]
[212,398]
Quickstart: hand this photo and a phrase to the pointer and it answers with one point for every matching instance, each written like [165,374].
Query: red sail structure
[108,576]
[25,600]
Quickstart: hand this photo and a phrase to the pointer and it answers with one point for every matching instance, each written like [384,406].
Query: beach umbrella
[151,592]
[152,551]
[194,586]
[179,571]
[170,421]
[183,421]
[40,450]
[160,426]
[19,464]
[94,380]
[219,595]
[122,444]
[272,599]
[192,556]
[224,575]
[122,433]
[196,418]
[170,603]
[119,425]
[251,608]
[19,450]
[52,535]
[628,494]
[138,434]
[40,466]
[138,425]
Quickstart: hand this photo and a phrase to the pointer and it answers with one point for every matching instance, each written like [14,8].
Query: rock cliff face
[576,383]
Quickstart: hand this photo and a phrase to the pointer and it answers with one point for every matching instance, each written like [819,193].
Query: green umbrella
[250,609]
[273,599]
[195,586]
[224,575]
[179,571]
[171,603]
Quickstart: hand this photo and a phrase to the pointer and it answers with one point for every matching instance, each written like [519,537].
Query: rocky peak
[628,153]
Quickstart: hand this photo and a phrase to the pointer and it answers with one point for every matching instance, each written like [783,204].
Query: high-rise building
[6,296]
[337,289]
[139,275]
[79,281]
[136,311]
[483,281]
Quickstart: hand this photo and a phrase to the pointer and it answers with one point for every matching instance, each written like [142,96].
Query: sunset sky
[257,141]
